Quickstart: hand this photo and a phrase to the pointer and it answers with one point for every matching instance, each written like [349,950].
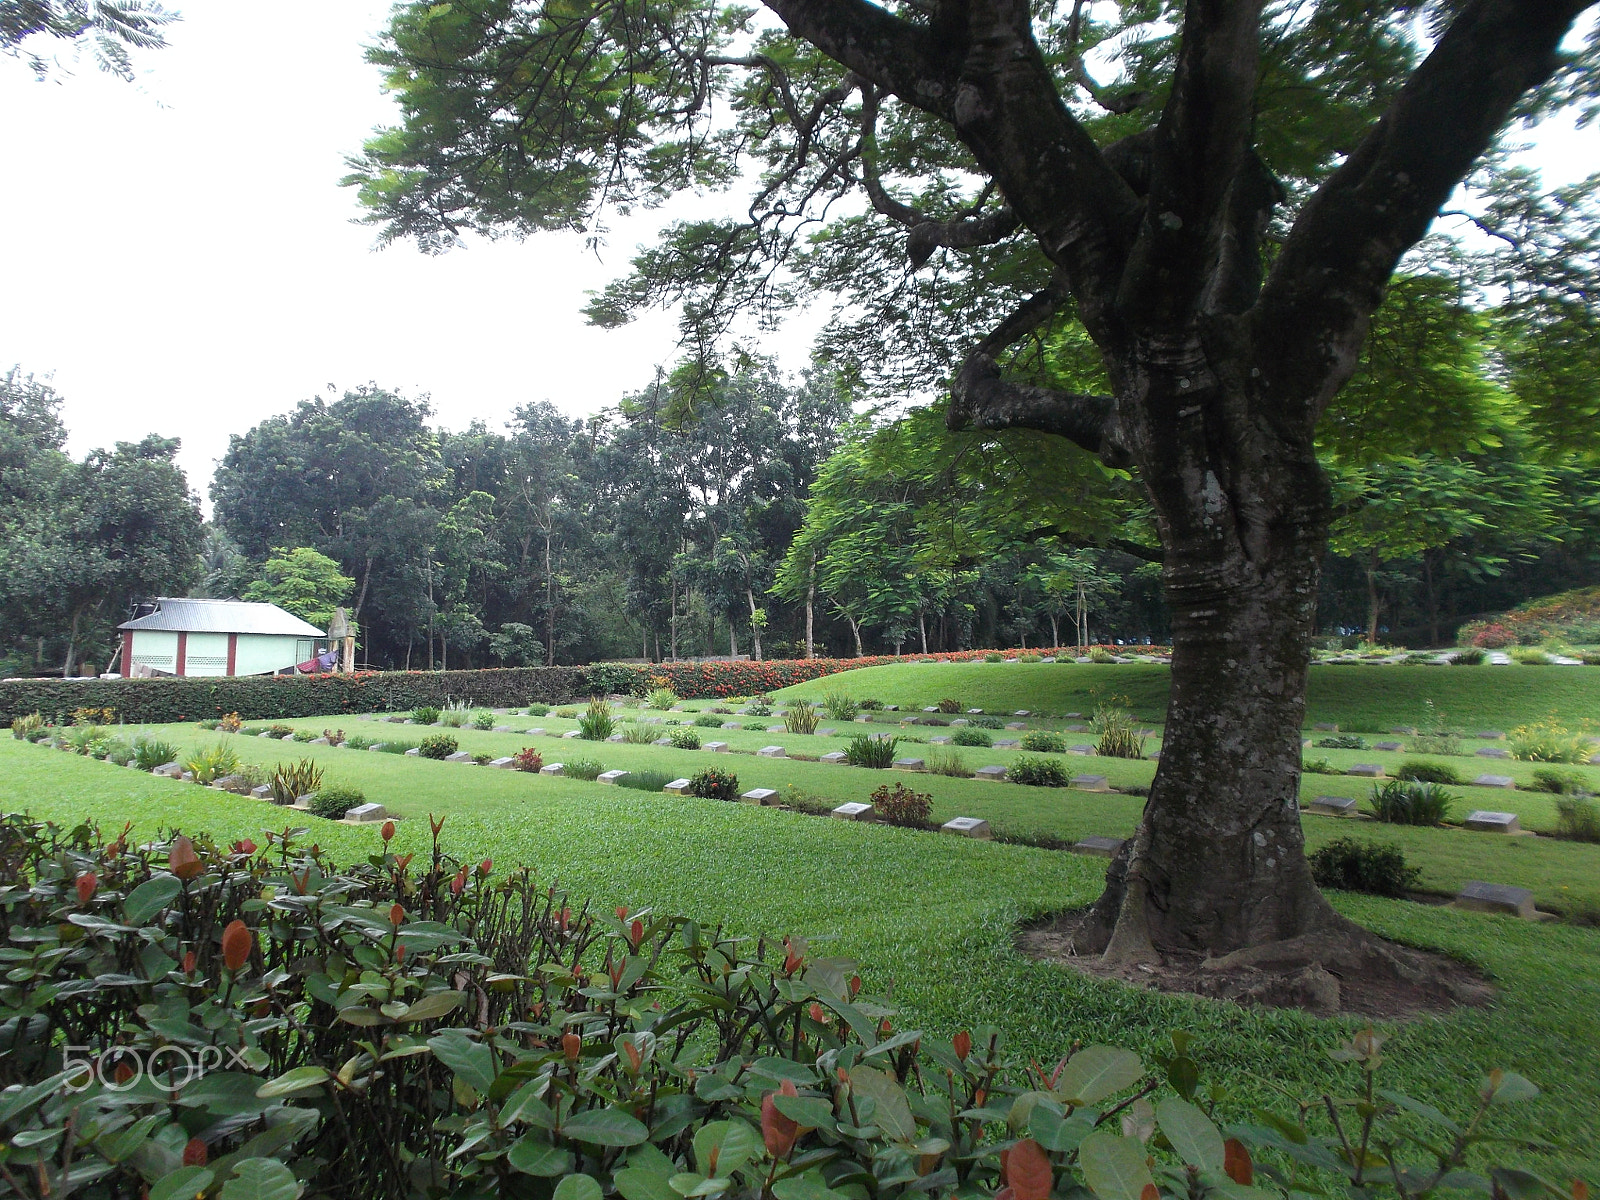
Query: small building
[215,637]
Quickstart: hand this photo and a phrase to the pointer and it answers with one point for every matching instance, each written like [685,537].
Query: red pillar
[233,651]
[127,653]
[183,650]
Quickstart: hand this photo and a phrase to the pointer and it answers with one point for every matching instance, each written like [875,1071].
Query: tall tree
[1136,210]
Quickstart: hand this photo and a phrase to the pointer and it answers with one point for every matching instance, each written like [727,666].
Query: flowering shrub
[1490,636]
[899,805]
[230,723]
[438,745]
[714,783]
[527,759]
[255,1022]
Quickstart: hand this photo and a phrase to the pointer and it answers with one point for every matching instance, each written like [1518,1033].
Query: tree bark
[1374,600]
[811,609]
[755,629]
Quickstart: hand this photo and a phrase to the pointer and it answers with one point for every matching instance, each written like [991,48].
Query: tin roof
[223,616]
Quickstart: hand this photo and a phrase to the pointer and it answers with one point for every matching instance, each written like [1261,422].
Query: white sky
[180,256]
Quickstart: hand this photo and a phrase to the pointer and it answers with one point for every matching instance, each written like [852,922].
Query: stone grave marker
[1018,725]
[938,741]
[505,764]
[760,796]
[732,725]
[1007,744]
[169,770]
[1332,806]
[678,787]
[931,708]
[1491,735]
[1090,783]
[363,813]
[1487,821]
[716,747]
[972,827]
[571,733]
[1492,752]
[536,733]
[553,769]
[1405,730]
[615,737]
[891,708]
[460,756]
[1366,771]
[261,793]
[1326,727]
[236,784]
[992,774]
[1478,896]
[376,747]
[1101,847]
[610,776]
[771,752]
[1389,746]
[414,752]
[504,729]
[863,719]
[835,757]
[662,741]
[1496,781]
[1022,712]
[854,812]
[975,712]
[828,732]
[958,722]
[1046,659]
[1083,751]
[910,764]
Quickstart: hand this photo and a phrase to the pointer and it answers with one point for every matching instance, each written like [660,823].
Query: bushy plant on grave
[899,805]
[971,737]
[597,723]
[456,1032]
[867,750]
[438,746]
[684,739]
[290,781]
[1038,772]
[528,759]
[714,783]
[1354,865]
[333,800]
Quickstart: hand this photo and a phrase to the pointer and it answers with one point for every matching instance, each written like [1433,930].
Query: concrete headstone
[610,776]
[1493,822]
[972,827]
[1333,806]
[760,796]
[854,812]
[1495,781]
[1366,771]
[366,812]
[835,757]
[716,747]
[993,774]
[1102,847]
[910,764]
[771,752]
[1478,896]
[678,787]
[1090,783]
[553,769]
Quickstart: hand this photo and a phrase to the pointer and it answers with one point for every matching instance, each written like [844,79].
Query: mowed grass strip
[1361,698]
[930,916]
[1562,875]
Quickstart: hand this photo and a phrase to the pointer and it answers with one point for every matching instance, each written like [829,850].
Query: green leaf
[577,1187]
[471,1060]
[117,1146]
[532,1154]
[892,1113]
[1055,1132]
[722,1147]
[1113,1167]
[298,1080]
[1191,1133]
[810,1111]
[636,1183]
[149,898]
[1510,1088]
[1096,1072]
[261,1179]
[605,1127]
[183,1184]
[804,1187]
[437,1004]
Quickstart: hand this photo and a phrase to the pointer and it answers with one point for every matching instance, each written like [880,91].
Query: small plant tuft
[1353,865]
[684,739]
[864,750]
[972,737]
[334,800]
[528,759]
[899,805]
[1039,772]
[1044,741]
[1406,802]
[1422,771]
[584,768]
[714,783]
[438,746]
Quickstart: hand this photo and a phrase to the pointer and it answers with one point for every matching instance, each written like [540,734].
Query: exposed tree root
[1340,969]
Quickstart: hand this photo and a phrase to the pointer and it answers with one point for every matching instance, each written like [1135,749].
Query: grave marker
[505,764]
[1492,752]
[610,776]
[716,747]
[362,813]
[1090,783]
[1332,806]
[993,774]
[1496,781]
[1326,727]
[1101,847]
[1493,822]
[553,769]
[760,796]
[1366,771]
[910,764]
[678,787]
[972,827]
[1478,896]
[1389,746]
[771,752]
[460,756]
[854,812]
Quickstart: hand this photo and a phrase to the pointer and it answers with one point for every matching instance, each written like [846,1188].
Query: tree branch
[1338,258]
[1201,144]
[875,44]
[981,400]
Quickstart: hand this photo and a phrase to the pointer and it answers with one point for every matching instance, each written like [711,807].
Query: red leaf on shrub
[636,933]
[246,846]
[817,1015]
[400,952]
[1580,1190]
[622,912]
[236,945]
[182,861]
[188,963]
[884,1027]
[855,985]
[194,1154]
[564,916]
[404,861]
[87,882]
[387,831]
[778,1131]
[635,1059]
[1149,1192]
[962,1043]
[571,1046]
[486,866]
[123,1073]
[1236,1162]
[459,882]
[397,914]
[1026,1168]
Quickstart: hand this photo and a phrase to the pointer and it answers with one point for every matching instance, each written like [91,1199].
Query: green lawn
[930,915]
[1363,698]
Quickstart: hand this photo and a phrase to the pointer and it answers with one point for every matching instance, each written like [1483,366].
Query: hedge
[279,697]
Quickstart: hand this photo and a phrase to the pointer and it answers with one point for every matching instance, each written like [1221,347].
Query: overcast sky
[179,255]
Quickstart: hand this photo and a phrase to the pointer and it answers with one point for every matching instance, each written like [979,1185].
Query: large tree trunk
[1374,599]
[1217,863]
[811,607]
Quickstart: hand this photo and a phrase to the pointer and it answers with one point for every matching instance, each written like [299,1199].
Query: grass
[929,915]
[1364,699]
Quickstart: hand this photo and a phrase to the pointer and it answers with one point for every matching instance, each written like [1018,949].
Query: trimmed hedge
[281,697]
